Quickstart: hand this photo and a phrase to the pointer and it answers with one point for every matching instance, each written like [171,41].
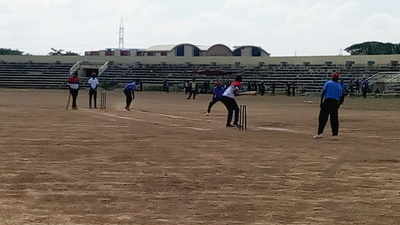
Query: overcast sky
[281,27]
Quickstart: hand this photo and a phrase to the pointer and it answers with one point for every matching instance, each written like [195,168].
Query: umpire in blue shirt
[331,99]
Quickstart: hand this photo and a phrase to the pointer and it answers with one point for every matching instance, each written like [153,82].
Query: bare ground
[168,163]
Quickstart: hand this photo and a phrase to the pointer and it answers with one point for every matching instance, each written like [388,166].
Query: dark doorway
[255,51]
[180,50]
[237,52]
[196,52]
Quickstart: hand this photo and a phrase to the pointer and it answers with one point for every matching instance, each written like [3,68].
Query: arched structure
[186,49]
[219,50]
[250,50]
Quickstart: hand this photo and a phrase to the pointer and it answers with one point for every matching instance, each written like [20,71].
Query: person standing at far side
[288,87]
[94,83]
[192,89]
[364,87]
[273,88]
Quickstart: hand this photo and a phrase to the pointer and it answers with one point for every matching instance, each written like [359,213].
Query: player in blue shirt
[129,92]
[218,90]
[331,99]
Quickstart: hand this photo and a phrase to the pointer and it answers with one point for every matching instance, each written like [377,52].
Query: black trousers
[74,93]
[232,106]
[329,108]
[130,95]
[93,94]
[213,101]
[192,93]
[364,93]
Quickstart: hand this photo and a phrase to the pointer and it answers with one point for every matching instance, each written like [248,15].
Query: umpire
[331,99]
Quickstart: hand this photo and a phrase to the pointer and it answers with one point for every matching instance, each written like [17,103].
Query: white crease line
[280,130]
[154,123]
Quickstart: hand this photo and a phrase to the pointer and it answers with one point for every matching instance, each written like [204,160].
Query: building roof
[171,47]
[161,48]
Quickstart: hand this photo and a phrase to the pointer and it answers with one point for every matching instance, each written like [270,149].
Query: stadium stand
[308,76]
[33,75]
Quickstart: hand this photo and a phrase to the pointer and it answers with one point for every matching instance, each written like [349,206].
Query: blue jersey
[333,90]
[218,91]
[130,86]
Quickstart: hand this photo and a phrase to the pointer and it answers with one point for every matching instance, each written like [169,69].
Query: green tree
[61,52]
[8,51]
[373,48]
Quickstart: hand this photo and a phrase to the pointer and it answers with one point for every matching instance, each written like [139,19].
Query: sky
[281,27]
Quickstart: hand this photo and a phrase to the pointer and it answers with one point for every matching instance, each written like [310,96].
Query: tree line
[53,52]
[373,48]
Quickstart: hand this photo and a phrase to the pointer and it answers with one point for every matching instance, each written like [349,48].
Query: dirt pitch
[167,163]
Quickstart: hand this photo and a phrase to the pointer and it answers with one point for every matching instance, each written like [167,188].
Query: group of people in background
[358,87]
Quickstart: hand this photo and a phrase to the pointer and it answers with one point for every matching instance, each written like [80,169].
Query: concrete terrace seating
[310,78]
[34,75]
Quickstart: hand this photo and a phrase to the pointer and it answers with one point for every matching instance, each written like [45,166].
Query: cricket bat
[248,93]
[68,101]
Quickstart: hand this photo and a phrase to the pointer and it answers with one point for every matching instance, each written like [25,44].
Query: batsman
[228,99]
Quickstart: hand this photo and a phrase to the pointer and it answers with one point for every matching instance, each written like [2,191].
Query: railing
[103,68]
[75,67]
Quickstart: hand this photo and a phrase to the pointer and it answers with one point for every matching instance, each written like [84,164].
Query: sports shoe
[237,125]
[318,136]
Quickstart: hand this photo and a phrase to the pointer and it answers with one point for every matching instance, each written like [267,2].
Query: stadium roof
[171,47]
[161,48]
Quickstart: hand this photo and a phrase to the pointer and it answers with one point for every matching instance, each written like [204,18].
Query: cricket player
[331,99]
[94,83]
[218,91]
[192,89]
[228,98]
[73,84]
[129,92]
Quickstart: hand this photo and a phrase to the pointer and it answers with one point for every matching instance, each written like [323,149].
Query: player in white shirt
[94,83]
[228,98]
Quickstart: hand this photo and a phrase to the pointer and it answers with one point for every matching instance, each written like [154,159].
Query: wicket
[243,118]
[103,100]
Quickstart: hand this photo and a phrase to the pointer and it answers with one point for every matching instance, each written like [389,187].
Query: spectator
[364,87]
